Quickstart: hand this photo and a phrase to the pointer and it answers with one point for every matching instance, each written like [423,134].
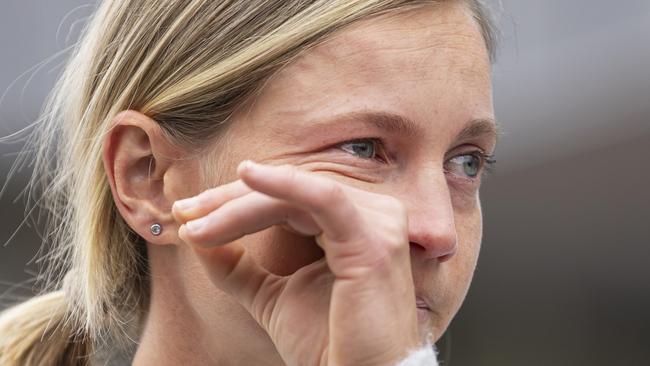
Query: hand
[356,306]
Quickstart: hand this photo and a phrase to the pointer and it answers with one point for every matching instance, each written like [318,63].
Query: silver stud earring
[156,229]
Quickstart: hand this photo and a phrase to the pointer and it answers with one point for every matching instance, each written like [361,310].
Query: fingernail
[182,231]
[185,204]
[195,225]
[245,165]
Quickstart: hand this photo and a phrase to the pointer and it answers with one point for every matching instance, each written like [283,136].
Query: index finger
[325,199]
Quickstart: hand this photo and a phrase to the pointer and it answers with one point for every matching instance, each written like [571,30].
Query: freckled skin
[430,65]
[402,64]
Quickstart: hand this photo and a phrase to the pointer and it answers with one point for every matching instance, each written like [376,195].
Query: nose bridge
[432,230]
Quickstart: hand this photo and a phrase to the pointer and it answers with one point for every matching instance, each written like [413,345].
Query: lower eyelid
[379,146]
[465,179]
[463,186]
[344,158]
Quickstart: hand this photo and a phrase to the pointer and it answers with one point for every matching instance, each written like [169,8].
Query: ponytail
[189,65]
[37,333]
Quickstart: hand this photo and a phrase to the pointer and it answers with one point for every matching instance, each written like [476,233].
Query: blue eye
[468,165]
[366,149]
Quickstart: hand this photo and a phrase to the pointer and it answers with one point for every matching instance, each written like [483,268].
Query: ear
[144,171]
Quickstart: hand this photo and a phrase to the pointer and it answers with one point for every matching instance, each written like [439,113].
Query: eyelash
[486,164]
[379,145]
[486,161]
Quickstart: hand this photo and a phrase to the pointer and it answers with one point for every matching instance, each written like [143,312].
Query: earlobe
[137,160]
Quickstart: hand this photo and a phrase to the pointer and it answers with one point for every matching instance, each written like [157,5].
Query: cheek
[469,226]
[459,270]
[466,202]
[282,252]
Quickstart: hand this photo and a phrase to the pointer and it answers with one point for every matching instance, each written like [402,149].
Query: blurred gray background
[564,273]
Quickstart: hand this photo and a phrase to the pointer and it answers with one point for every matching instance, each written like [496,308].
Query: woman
[351,240]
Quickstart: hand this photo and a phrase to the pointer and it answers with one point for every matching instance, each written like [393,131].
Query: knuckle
[387,247]
[393,238]
[396,206]
[395,215]
[395,242]
[383,258]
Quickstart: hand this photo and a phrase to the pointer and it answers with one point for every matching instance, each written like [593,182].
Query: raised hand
[354,307]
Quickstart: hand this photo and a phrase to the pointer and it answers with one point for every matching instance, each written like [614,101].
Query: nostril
[441,248]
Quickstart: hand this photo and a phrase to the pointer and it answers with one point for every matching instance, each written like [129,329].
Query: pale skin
[335,248]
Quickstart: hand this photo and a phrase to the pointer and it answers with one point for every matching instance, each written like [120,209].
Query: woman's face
[395,105]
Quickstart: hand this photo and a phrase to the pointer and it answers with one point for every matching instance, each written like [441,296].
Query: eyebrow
[479,127]
[398,124]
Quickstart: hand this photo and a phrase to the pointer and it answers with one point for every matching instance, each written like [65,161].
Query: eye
[363,148]
[469,165]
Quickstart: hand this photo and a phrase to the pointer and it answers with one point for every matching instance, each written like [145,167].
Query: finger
[231,269]
[325,199]
[246,215]
[194,207]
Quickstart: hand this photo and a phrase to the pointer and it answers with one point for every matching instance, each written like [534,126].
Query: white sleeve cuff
[425,356]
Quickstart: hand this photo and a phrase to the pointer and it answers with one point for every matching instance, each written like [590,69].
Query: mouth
[421,303]
[423,310]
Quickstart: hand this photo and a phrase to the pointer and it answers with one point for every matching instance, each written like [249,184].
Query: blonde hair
[188,65]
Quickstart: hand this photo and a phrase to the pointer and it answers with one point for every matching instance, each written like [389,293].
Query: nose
[432,231]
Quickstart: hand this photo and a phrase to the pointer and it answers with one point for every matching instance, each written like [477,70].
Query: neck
[196,324]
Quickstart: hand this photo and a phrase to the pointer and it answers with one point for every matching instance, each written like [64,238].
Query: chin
[433,334]
[438,322]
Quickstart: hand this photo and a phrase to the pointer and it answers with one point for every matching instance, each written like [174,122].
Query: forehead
[413,42]
[428,61]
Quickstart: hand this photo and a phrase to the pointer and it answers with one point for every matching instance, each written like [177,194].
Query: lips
[421,303]
[424,311]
